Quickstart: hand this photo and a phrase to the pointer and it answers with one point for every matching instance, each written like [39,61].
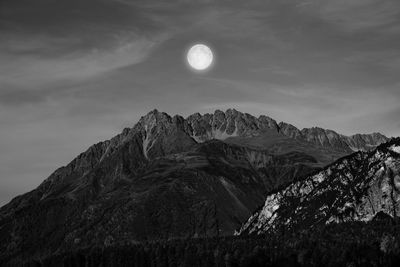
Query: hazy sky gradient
[75,72]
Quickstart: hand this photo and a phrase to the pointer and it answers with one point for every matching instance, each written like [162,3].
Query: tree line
[345,244]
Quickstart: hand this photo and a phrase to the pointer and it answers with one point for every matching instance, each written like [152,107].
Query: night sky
[76,72]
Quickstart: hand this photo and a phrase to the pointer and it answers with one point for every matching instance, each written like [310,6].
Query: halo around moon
[200,57]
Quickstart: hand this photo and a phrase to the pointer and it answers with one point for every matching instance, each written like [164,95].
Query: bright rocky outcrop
[357,187]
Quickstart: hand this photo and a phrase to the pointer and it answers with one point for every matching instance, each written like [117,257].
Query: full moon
[200,57]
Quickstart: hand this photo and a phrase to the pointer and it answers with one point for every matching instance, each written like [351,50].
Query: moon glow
[200,57]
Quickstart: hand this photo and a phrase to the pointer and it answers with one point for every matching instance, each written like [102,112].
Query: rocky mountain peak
[154,118]
[325,137]
[289,130]
[365,141]
[161,134]
[268,122]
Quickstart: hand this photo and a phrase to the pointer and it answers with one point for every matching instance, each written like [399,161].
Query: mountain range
[171,177]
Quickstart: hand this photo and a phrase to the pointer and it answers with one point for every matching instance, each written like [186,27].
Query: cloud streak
[35,71]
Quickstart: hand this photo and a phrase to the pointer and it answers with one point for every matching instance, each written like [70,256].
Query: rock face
[358,187]
[333,140]
[166,177]
[229,124]
[232,123]
[365,141]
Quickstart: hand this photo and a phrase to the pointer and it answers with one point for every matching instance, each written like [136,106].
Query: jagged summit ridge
[232,123]
[222,125]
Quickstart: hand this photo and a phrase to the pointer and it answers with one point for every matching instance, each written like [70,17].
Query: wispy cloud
[34,71]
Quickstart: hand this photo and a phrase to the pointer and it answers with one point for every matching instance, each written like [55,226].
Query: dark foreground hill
[167,177]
